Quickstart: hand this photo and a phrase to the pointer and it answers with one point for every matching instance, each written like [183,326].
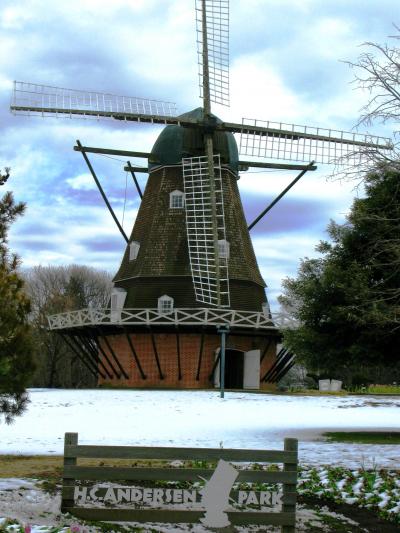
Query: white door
[251,371]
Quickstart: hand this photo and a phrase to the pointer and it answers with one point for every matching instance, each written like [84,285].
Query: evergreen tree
[347,302]
[16,363]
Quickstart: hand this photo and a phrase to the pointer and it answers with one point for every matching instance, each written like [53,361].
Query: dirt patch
[50,466]
[22,466]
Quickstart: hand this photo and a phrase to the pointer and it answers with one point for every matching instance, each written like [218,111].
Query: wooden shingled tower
[189,274]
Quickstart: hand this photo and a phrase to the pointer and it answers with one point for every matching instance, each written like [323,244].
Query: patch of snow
[203,419]
[350,501]
[358,486]
[44,515]
[16,483]
[177,463]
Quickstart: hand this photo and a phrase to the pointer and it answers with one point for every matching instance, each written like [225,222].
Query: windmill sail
[212,25]
[209,269]
[276,140]
[31,98]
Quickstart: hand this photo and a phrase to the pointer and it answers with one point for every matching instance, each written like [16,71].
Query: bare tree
[55,290]
[377,73]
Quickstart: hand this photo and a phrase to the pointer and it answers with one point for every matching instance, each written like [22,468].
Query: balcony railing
[178,316]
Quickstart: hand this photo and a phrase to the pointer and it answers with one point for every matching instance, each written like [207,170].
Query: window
[176,200]
[223,248]
[165,304]
[133,250]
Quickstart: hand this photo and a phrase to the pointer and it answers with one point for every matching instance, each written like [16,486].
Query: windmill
[190,225]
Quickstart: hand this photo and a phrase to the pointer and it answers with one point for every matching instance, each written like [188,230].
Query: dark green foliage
[348,301]
[16,364]
[364,437]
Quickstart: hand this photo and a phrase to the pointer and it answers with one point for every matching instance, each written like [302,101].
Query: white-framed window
[134,247]
[176,200]
[223,248]
[165,304]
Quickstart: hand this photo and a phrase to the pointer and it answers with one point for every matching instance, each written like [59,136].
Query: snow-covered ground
[38,512]
[203,419]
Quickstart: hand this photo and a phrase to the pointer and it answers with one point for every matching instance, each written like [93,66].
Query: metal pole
[271,205]
[223,330]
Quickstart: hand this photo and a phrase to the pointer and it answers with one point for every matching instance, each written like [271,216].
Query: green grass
[375,389]
[364,437]
[383,389]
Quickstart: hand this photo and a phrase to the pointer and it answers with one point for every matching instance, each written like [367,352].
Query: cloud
[278,257]
[83,182]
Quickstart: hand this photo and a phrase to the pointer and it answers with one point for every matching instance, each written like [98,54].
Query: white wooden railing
[179,316]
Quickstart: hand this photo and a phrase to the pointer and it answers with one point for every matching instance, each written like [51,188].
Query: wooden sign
[213,496]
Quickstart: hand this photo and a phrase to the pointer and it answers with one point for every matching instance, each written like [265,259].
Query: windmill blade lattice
[209,270]
[214,28]
[31,98]
[305,143]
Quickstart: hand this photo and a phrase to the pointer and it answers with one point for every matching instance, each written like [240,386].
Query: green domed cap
[177,142]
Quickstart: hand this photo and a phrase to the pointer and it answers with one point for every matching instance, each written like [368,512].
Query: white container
[324,385]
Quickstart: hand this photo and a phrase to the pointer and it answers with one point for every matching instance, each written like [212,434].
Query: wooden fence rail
[74,475]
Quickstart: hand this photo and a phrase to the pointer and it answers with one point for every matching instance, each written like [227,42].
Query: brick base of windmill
[159,364]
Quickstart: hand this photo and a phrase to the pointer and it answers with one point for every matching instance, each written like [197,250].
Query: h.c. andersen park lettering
[162,496]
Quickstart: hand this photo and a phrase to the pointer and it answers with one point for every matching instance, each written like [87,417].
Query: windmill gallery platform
[156,333]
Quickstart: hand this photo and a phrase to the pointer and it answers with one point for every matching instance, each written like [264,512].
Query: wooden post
[290,446]
[69,439]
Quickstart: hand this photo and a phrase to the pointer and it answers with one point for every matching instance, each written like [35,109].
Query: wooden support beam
[94,353]
[70,439]
[279,358]
[286,358]
[290,467]
[278,370]
[284,371]
[200,355]
[153,341]
[178,353]
[74,342]
[135,356]
[105,355]
[81,342]
[108,151]
[130,169]
[114,356]
[85,157]
[281,195]
[245,165]
[144,170]
[89,365]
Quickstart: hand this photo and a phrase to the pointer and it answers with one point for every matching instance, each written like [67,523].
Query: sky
[286,64]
